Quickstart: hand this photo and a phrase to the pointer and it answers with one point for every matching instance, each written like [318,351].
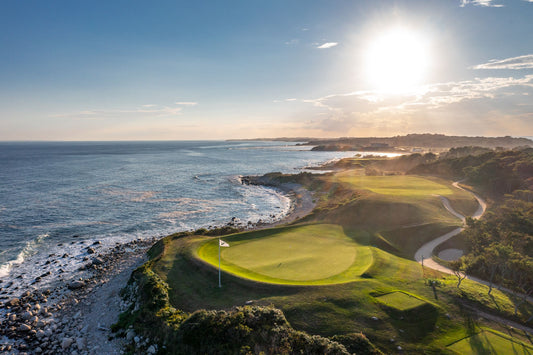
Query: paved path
[424,255]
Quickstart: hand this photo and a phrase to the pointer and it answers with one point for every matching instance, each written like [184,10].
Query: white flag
[222,243]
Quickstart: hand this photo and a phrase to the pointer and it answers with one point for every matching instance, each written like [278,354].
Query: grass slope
[310,254]
[490,342]
[396,185]
[333,271]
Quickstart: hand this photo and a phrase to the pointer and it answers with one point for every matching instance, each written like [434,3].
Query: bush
[357,343]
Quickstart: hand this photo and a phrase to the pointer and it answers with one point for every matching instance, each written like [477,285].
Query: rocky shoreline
[57,320]
[74,317]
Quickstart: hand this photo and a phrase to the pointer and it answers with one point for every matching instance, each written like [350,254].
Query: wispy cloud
[292,42]
[486,3]
[186,103]
[142,111]
[521,62]
[327,45]
[451,101]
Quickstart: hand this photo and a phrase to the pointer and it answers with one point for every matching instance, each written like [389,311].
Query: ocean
[59,197]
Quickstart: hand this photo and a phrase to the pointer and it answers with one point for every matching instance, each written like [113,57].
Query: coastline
[75,318]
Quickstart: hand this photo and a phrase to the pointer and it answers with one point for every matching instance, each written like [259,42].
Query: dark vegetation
[499,246]
[418,140]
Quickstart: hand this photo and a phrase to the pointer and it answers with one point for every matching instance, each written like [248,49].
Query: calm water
[60,197]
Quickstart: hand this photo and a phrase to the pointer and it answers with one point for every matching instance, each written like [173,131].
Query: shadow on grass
[496,304]
[194,285]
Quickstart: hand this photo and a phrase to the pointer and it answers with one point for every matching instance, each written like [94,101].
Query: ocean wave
[29,249]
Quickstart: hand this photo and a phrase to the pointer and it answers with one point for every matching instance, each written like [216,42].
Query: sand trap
[450,254]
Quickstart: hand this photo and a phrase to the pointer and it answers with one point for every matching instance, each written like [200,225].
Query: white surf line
[424,255]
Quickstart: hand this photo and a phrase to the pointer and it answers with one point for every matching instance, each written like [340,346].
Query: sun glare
[397,61]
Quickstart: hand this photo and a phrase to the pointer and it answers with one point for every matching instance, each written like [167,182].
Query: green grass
[490,342]
[400,301]
[310,254]
[396,185]
[334,274]
[405,241]
[327,310]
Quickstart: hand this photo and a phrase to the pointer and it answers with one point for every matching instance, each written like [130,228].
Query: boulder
[40,334]
[24,328]
[130,334]
[76,284]
[66,343]
[13,302]
[26,315]
[98,261]
[81,343]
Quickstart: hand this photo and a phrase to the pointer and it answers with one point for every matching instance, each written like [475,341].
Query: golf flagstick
[221,243]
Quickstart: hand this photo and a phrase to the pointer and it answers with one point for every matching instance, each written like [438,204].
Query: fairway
[317,254]
[488,342]
[400,301]
[398,185]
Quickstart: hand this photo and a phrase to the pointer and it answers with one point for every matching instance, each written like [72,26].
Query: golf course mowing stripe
[315,254]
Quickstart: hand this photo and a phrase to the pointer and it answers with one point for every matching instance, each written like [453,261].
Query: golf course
[344,269]
[311,254]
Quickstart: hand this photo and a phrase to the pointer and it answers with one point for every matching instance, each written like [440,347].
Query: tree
[521,270]
[459,270]
[494,259]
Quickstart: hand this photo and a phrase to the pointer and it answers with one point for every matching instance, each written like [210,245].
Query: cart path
[424,255]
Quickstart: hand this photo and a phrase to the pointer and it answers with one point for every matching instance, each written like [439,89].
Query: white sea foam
[29,249]
[116,198]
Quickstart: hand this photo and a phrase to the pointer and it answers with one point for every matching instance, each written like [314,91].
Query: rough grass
[310,254]
[490,342]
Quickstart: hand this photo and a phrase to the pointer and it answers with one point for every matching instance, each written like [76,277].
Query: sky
[176,70]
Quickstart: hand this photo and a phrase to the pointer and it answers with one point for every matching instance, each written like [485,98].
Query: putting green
[490,342]
[312,254]
[399,185]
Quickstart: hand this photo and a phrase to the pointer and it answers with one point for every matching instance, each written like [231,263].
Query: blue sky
[129,70]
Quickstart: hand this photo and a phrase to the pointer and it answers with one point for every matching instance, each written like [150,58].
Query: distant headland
[409,142]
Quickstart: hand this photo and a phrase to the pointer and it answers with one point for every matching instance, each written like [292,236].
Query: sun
[396,61]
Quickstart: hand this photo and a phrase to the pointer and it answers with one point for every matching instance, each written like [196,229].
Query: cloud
[292,42]
[448,103]
[142,111]
[327,45]
[186,103]
[485,3]
[521,62]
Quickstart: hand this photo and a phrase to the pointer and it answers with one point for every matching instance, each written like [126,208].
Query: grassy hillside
[344,270]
